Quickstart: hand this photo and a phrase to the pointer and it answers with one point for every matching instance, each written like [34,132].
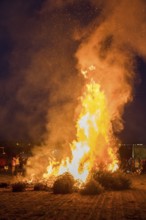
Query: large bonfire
[107,68]
[95,144]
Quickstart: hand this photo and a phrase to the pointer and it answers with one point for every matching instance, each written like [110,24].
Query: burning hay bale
[92,187]
[113,181]
[63,184]
[18,187]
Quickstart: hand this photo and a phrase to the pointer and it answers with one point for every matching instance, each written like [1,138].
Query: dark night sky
[37,52]
[135,112]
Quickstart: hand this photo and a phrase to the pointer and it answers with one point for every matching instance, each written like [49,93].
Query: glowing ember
[94,140]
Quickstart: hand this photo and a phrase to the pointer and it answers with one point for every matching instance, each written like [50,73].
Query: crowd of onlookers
[133,165]
[14,165]
[18,164]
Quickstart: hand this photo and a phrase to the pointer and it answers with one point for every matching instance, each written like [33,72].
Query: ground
[115,205]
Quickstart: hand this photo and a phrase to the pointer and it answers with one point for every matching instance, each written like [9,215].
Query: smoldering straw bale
[113,181]
[40,187]
[92,187]
[18,187]
[63,184]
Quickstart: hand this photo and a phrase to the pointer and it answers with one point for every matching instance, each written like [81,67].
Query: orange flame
[94,141]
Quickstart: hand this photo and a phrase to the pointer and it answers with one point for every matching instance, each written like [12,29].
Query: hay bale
[121,181]
[4,185]
[63,184]
[40,187]
[18,187]
[105,178]
[113,181]
[92,187]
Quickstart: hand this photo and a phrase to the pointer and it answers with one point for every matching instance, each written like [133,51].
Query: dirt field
[129,204]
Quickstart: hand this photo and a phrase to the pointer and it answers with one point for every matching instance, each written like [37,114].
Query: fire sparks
[93,144]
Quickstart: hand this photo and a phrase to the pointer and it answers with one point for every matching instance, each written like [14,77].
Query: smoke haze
[50,42]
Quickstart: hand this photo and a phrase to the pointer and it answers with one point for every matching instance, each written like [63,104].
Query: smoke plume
[52,42]
[109,41]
